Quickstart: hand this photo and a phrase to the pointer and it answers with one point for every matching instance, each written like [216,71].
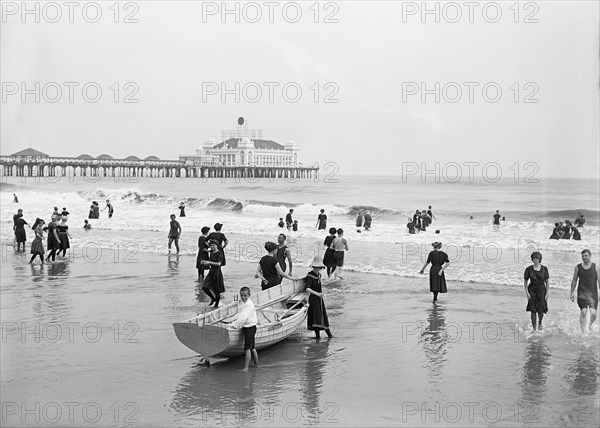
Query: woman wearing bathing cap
[439,262]
[537,290]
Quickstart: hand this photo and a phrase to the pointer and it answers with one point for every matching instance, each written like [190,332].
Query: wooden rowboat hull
[279,312]
[220,342]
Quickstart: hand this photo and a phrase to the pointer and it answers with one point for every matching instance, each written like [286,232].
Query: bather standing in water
[538,289]
[439,262]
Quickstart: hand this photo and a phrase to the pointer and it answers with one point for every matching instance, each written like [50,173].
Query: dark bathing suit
[537,289]
[587,291]
[269,271]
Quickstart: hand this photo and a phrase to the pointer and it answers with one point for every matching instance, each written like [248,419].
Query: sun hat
[317,263]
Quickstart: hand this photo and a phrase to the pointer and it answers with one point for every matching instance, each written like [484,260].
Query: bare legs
[318,333]
[540,317]
[250,353]
[330,270]
[585,327]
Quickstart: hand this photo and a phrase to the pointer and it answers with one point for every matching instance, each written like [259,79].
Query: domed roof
[151,158]
[105,156]
[132,158]
[85,156]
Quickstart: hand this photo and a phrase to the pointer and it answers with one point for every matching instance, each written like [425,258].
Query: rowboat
[280,311]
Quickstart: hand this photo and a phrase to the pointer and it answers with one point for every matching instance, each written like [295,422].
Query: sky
[376,87]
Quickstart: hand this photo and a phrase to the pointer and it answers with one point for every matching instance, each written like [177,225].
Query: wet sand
[92,344]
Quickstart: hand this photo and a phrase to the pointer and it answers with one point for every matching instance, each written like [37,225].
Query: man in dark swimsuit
[587,292]
[497,217]
[283,253]
[430,214]
[110,208]
[174,233]
[288,219]
[417,220]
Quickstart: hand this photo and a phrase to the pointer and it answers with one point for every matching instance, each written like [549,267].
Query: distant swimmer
[281,223]
[56,213]
[289,220]
[368,220]
[496,220]
[110,208]
[182,210]
[86,225]
[295,226]
[411,226]
[64,212]
[430,214]
[417,220]
[424,221]
[566,230]
[576,235]
[15,199]
[321,221]
[555,231]
[174,233]
[580,220]
[359,219]
[587,291]
[537,290]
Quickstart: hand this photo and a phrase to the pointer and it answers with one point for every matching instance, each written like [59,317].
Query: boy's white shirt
[246,316]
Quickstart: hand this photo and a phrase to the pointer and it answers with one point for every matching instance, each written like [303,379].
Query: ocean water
[88,341]
[250,211]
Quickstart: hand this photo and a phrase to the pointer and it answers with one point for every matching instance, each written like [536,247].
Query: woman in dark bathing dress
[439,262]
[537,290]
[20,234]
[37,246]
[328,258]
[63,235]
[202,251]
[316,319]
[53,239]
[213,283]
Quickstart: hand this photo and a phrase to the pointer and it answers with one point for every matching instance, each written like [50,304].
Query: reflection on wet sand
[173,264]
[582,376]
[223,394]
[435,341]
[535,368]
[316,354]
[51,303]
[583,372]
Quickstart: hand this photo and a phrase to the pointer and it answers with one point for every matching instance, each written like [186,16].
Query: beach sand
[89,341]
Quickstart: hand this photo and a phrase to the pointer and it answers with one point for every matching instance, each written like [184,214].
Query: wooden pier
[46,166]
